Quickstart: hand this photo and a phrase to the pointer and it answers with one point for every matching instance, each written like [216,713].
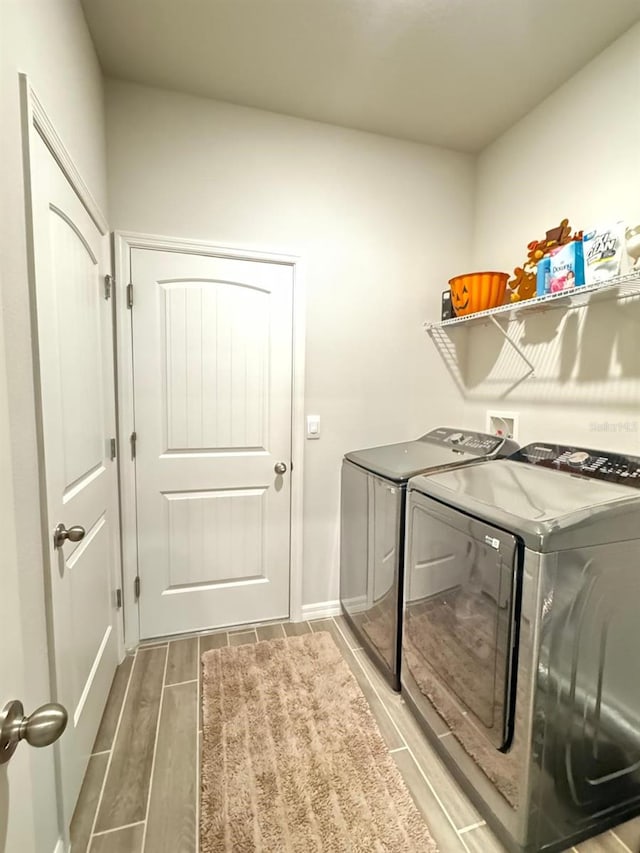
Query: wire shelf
[620,287]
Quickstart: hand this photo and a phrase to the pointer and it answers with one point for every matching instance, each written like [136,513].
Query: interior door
[212,352]
[76,385]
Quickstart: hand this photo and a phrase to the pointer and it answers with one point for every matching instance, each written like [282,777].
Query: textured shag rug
[293,760]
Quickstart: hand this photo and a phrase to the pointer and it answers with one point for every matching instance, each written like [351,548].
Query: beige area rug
[293,759]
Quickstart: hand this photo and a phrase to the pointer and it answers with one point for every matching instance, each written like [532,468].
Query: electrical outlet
[503,423]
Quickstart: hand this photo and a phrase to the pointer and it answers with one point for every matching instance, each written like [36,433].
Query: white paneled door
[212,356]
[74,335]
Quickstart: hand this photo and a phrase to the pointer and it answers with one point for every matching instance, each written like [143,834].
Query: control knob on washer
[578,458]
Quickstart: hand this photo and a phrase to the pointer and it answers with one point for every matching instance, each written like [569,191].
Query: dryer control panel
[478,443]
[596,464]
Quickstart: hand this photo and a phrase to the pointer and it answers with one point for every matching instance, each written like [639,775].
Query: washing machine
[373,499]
[521,637]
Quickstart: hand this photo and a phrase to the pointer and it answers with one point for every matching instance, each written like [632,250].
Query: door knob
[61,534]
[41,728]
[280,468]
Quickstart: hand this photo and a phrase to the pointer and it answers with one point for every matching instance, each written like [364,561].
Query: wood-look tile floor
[140,793]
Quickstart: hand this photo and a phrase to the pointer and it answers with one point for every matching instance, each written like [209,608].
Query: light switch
[313,426]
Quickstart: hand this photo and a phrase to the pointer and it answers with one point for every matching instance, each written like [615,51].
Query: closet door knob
[280,468]
[42,728]
[61,534]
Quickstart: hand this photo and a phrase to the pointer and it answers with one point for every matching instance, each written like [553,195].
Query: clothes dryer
[373,493]
[521,637]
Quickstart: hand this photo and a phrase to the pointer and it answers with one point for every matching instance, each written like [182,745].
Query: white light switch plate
[313,426]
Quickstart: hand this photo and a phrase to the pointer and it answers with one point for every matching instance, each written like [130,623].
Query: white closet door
[75,334]
[212,343]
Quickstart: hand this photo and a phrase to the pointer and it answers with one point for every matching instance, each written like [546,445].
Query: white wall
[379,222]
[577,155]
[382,225]
[48,40]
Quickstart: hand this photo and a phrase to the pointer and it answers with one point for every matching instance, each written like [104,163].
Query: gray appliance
[373,493]
[521,637]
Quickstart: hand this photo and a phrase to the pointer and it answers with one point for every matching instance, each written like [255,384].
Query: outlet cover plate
[503,423]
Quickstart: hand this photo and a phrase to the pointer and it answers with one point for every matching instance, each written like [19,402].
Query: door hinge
[136,587]
[112,449]
[129,295]
[119,598]
[134,441]
[108,286]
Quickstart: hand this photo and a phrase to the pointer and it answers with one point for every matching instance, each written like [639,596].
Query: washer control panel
[596,464]
[477,443]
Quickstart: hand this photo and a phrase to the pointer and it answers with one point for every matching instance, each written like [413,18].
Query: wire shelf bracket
[514,344]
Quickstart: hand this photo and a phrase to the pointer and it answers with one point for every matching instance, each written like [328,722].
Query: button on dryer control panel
[595,464]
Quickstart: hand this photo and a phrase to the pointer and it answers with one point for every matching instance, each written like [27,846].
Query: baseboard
[320,610]
[358,604]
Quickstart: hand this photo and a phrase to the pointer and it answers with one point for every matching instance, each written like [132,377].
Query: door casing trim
[123,243]
[38,118]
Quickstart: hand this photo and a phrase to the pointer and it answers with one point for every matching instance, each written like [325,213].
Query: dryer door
[460,608]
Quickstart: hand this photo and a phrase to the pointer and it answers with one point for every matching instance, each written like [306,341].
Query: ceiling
[454,73]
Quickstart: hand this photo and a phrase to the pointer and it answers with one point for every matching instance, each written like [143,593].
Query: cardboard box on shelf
[566,267]
[603,249]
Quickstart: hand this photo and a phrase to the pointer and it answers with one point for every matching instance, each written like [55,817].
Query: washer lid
[439,448]
[551,510]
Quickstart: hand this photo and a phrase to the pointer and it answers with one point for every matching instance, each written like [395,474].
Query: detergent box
[603,253]
[542,276]
[566,267]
